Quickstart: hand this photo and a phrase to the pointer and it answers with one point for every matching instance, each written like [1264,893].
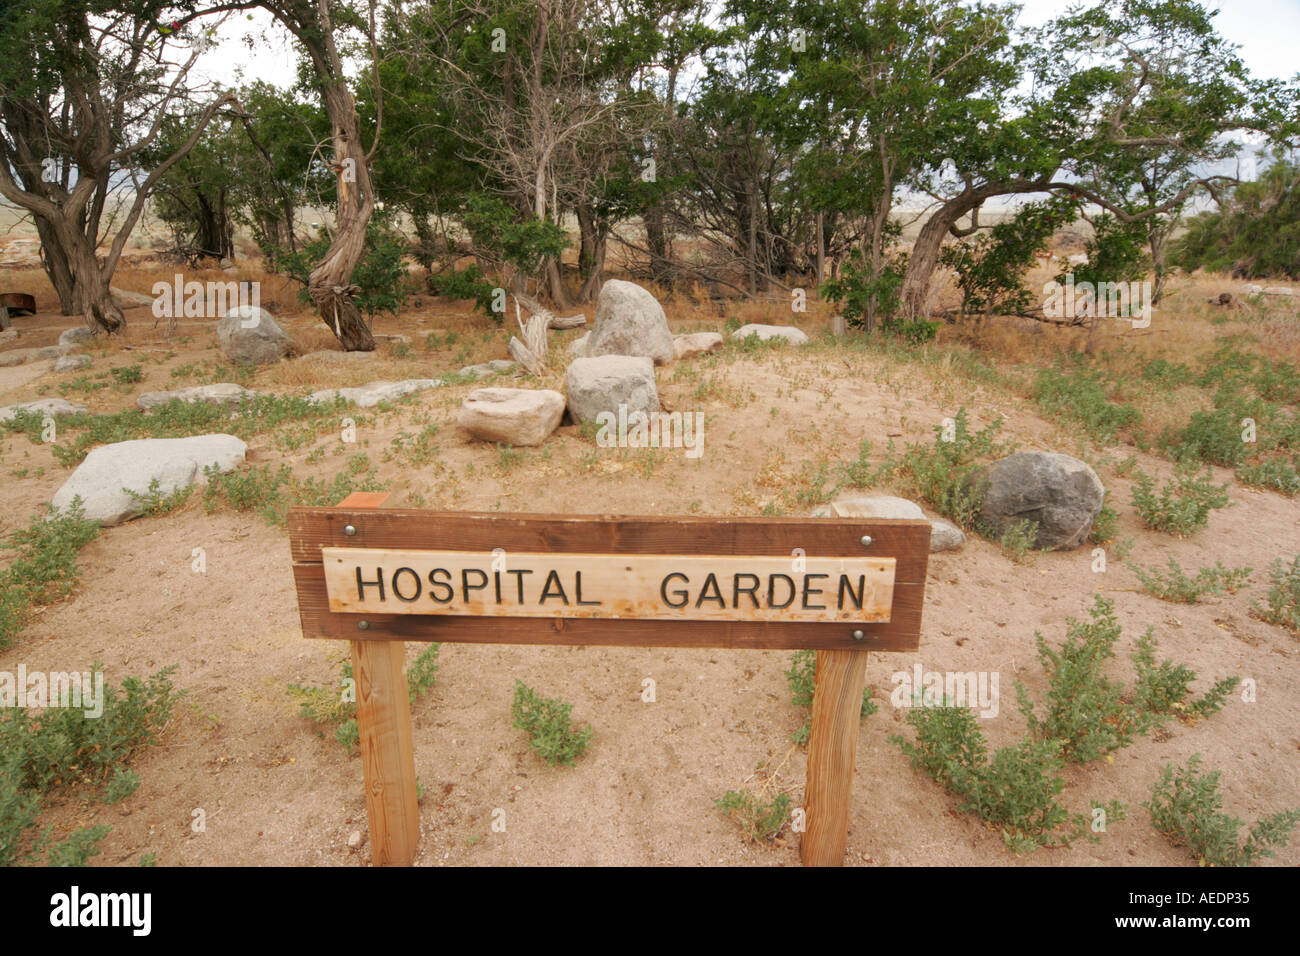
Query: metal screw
[866,540]
[349,530]
[365,625]
[857,635]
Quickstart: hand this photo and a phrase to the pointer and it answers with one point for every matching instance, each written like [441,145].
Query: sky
[1267,32]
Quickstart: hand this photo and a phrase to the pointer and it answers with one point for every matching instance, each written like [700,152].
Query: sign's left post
[384,725]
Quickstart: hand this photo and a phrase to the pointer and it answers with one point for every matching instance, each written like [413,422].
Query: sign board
[778,583]
[377,578]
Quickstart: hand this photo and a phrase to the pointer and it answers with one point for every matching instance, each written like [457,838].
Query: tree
[86,88]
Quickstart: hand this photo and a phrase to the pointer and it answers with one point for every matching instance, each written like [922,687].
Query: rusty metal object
[18,303]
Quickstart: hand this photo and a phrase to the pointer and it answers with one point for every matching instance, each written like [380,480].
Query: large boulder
[696,343]
[629,321]
[130,300]
[71,363]
[76,335]
[944,535]
[1062,494]
[109,473]
[248,335]
[603,383]
[227,393]
[372,393]
[513,416]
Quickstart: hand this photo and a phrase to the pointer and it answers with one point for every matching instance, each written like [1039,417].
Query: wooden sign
[648,586]
[842,586]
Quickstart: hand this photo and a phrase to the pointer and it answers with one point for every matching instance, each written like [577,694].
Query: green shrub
[127,374]
[1184,503]
[45,567]
[546,721]
[1017,539]
[1274,474]
[78,848]
[1079,395]
[1185,806]
[760,821]
[156,502]
[1283,595]
[1162,688]
[1106,523]
[1177,587]
[62,748]
[422,672]
[121,785]
[944,474]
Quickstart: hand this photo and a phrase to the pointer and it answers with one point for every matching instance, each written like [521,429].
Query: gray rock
[944,535]
[603,383]
[372,393]
[248,334]
[226,393]
[43,406]
[514,416]
[764,332]
[630,321]
[696,343]
[331,355]
[1061,493]
[578,347]
[130,300]
[75,335]
[397,338]
[101,479]
[70,363]
[9,335]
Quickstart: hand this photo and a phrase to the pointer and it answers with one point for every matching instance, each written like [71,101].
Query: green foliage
[380,274]
[468,283]
[1184,503]
[1078,394]
[1255,233]
[121,785]
[270,493]
[801,678]
[866,300]
[45,566]
[546,721]
[1177,587]
[1274,474]
[1162,688]
[760,821]
[1165,374]
[423,671]
[78,848]
[505,236]
[156,502]
[127,374]
[1018,538]
[1186,807]
[1283,595]
[1085,711]
[944,474]
[1106,523]
[63,748]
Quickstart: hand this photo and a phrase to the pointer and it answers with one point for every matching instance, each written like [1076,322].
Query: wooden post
[832,746]
[384,726]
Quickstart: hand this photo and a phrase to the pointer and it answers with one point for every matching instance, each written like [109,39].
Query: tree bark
[55,262]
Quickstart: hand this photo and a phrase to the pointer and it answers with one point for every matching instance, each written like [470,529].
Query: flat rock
[9,335]
[43,406]
[696,343]
[372,393]
[332,355]
[249,335]
[70,363]
[1062,494]
[513,416]
[630,321]
[603,383]
[765,332]
[22,356]
[945,536]
[397,338]
[226,393]
[107,475]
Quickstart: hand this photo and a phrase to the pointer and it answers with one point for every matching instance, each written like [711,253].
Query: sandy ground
[273,790]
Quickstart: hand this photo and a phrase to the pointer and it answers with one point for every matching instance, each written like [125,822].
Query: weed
[1283,595]
[801,678]
[1162,689]
[121,785]
[1178,588]
[1275,475]
[1106,523]
[760,821]
[546,721]
[944,474]
[1018,539]
[45,567]
[1185,806]
[1079,395]
[423,671]
[155,501]
[127,374]
[1184,503]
